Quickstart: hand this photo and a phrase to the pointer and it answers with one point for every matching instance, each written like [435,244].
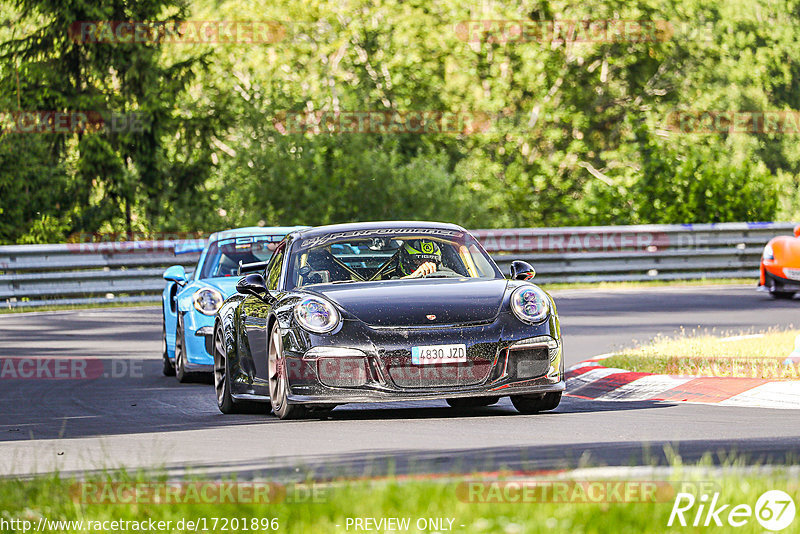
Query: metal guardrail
[635,253]
[37,275]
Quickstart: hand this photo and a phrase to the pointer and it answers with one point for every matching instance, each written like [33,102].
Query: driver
[417,258]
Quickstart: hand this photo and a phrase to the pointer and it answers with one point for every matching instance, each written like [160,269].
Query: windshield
[223,256]
[377,255]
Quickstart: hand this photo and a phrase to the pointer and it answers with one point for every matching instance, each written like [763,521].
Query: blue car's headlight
[207,301]
[530,304]
[316,315]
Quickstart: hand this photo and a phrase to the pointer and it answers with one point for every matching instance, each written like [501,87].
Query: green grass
[110,304]
[55,498]
[700,353]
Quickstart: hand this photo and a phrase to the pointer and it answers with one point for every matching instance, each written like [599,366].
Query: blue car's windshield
[224,255]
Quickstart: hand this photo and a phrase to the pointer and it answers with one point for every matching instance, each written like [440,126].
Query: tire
[222,381]
[222,384]
[531,404]
[181,373]
[278,379]
[472,402]
[782,295]
[168,368]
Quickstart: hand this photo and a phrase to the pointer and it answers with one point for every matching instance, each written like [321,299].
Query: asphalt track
[130,415]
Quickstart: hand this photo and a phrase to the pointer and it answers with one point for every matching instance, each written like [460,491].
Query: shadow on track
[150,403]
[532,460]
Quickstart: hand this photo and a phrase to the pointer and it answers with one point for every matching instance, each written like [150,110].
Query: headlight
[207,301]
[316,315]
[768,253]
[530,304]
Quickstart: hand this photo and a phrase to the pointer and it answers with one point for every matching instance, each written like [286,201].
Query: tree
[145,152]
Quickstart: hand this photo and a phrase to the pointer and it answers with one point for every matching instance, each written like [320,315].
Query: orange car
[780,266]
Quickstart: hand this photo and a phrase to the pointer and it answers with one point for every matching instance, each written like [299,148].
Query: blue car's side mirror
[176,274]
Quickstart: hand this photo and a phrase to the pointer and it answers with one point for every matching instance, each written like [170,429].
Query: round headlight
[316,315]
[530,304]
[207,301]
[768,253]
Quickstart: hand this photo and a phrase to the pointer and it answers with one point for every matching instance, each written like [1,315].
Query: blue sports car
[190,301]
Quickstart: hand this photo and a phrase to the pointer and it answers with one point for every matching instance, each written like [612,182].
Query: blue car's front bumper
[196,328]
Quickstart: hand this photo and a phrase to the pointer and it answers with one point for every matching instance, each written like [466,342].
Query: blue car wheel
[181,373]
[168,367]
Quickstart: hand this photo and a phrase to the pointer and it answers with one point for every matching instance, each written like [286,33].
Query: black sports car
[376,312]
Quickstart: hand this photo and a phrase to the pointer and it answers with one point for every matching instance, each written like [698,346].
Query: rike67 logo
[774,510]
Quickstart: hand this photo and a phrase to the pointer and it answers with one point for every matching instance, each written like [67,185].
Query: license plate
[433,354]
[792,274]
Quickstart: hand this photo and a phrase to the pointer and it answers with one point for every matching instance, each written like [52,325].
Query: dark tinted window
[223,256]
[274,270]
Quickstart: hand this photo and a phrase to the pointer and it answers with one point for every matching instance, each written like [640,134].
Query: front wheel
[222,384]
[168,368]
[279,380]
[534,404]
[782,295]
[472,402]
[181,373]
[222,381]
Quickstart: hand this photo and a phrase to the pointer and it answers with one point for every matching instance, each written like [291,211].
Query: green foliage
[46,229]
[696,182]
[580,132]
[112,175]
[472,503]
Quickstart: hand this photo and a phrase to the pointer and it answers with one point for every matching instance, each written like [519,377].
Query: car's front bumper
[375,365]
[774,282]
[198,332]
[327,396]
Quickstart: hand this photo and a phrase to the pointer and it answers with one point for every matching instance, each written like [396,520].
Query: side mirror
[522,270]
[797,231]
[176,274]
[253,284]
[251,267]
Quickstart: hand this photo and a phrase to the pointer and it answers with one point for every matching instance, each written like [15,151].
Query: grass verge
[54,504]
[756,355]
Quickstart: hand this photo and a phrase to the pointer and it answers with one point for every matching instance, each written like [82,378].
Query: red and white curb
[590,380]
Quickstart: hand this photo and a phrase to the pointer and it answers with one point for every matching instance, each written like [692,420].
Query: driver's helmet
[415,252]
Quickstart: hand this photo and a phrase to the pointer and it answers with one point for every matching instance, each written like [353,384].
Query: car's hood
[786,250]
[419,302]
